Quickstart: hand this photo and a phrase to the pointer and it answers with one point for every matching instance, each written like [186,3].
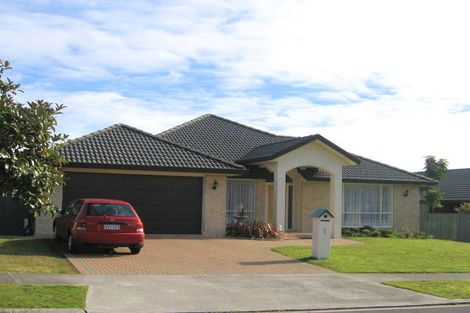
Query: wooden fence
[452,226]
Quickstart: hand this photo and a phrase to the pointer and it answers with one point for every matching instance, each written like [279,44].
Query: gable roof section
[125,147]
[456,185]
[219,137]
[370,171]
[274,150]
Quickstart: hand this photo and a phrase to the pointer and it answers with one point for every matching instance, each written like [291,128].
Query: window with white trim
[240,195]
[367,205]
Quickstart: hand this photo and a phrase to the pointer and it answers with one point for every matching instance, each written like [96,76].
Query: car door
[67,219]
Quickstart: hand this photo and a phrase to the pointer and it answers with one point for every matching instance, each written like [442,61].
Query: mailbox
[322,221]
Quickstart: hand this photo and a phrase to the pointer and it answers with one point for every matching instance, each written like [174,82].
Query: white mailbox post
[321,233]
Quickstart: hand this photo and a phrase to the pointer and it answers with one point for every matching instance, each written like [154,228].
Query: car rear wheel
[135,249]
[72,246]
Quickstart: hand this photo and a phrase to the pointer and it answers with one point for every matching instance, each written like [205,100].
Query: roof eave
[375,181]
[154,168]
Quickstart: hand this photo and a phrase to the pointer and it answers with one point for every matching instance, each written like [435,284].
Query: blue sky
[383,79]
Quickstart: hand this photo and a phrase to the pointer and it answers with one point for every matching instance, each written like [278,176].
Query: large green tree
[435,169]
[30,158]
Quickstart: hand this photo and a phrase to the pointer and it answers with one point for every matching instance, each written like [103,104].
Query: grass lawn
[26,254]
[451,289]
[391,255]
[42,296]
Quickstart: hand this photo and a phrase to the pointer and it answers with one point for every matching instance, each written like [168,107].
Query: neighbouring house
[194,178]
[456,188]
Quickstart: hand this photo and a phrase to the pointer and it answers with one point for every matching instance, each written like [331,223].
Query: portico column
[336,201]
[280,196]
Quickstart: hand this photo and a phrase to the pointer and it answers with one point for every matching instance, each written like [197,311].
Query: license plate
[112,227]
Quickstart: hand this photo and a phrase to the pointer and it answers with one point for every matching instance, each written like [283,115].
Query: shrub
[368,231]
[255,230]
[463,208]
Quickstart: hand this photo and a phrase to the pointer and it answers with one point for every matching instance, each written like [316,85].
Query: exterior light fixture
[405,194]
[214,184]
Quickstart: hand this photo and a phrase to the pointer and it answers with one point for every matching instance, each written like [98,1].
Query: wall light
[406,193]
[214,184]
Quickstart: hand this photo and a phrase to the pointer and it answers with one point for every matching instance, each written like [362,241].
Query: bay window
[367,205]
[240,196]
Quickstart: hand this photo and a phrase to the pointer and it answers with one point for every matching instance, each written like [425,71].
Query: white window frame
[380,208]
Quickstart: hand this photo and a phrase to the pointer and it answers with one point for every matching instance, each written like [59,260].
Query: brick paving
[196,255]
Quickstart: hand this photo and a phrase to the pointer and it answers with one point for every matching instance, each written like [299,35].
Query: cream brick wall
[406,209]
[315,195]
[260,210]
[43,223]
[214,206]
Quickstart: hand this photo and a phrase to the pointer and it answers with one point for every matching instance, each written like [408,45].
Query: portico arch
[314,153]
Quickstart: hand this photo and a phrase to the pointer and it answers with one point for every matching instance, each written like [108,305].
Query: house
[456,188]
[194,178]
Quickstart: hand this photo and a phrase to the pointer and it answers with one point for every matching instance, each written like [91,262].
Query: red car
[104,222]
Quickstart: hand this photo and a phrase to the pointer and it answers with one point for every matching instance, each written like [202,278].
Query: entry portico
[312,151]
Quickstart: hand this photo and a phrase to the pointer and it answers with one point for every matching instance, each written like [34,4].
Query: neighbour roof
[369,171]
[272,151]
[122,146]
[220,137]
[456,184]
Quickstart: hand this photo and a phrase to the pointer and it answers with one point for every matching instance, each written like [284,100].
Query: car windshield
[107,209]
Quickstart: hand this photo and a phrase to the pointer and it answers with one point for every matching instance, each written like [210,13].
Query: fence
[452,226]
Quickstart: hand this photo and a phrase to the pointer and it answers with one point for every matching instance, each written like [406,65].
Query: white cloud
[338,48]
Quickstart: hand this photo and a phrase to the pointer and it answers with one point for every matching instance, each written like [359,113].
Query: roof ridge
[182,125]
[118,125]
[204,116]
[240,124]
[458,169]
[396,168]
[180,146]
[93,134]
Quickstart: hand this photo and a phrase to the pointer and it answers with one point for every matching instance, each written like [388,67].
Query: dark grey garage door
[166,204]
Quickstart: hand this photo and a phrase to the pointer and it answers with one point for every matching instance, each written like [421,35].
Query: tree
[30,158]
[434,169]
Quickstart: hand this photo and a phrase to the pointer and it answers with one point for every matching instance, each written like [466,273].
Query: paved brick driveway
[186,255]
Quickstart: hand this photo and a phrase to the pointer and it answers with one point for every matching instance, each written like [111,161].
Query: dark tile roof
[220,137]
[456,185]
[238,143]
[272,151]
[369,171]
[122,146]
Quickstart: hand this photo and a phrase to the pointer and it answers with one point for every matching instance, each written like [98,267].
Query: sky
[387,80]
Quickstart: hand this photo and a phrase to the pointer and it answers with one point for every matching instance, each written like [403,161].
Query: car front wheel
[72,246]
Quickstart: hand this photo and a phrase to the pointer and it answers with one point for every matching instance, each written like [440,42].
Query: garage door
[166,204]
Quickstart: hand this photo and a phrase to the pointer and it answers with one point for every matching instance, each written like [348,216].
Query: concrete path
[212,293]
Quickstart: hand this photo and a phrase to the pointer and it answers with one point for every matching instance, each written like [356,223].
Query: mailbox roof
[320,212]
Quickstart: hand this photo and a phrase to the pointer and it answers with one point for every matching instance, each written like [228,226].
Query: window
[73,209]
[240,195]
[107,209]
[367,205]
